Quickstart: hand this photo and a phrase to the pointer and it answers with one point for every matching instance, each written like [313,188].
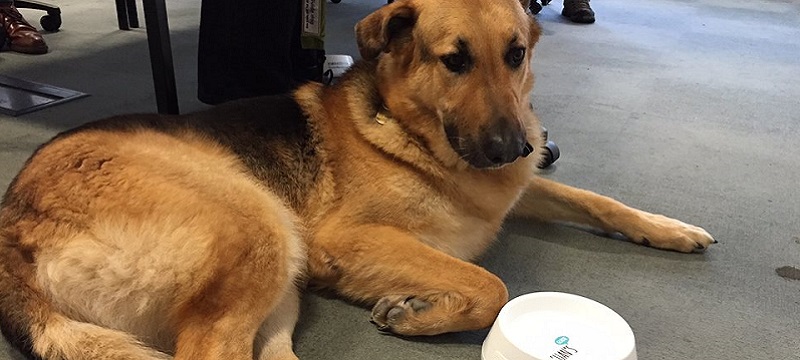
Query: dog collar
[383,115]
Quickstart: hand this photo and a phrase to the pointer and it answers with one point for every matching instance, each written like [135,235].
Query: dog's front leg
[414,289]
[551,201]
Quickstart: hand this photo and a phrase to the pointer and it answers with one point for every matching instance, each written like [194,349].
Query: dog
[190,236]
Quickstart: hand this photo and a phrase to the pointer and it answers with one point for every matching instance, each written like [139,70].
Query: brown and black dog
[153,237]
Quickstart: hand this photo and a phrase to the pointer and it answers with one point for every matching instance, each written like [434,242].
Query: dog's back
[269,134]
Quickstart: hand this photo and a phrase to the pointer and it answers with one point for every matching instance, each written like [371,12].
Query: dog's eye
[456,63]
[515,57]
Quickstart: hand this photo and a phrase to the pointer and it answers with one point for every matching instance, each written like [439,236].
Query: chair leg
[122,15]
[133,15]
[155,19]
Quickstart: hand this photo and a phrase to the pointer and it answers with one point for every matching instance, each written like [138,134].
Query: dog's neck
[383,130]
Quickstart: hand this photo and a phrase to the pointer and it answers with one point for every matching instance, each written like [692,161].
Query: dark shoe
[22,37]
[578,11]
[536,7]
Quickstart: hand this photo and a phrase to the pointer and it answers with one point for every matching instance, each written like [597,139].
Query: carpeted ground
[686,108]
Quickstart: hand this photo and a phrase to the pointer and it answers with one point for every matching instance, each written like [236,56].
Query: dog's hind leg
[550,201]
[223,320]
[254,280]
[274,339]
[415,289]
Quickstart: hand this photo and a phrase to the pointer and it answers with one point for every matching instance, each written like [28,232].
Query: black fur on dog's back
[271,135]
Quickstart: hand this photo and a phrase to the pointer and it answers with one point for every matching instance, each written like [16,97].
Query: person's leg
[244,48]
[306,63]
[249,48]
[578,11]
[20,35]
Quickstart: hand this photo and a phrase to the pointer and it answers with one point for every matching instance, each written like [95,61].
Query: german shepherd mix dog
[153,237]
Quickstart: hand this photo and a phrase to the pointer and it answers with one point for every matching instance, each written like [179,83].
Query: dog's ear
[376,32]
[536,29]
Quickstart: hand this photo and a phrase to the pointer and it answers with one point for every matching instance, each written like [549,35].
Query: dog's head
[464,64]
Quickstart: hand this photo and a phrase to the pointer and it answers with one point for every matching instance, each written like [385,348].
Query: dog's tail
[33,325]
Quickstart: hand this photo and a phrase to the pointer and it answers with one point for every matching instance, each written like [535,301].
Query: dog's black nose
[527,150]
[506,145]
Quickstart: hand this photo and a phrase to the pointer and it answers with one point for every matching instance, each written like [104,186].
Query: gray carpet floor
[686,108]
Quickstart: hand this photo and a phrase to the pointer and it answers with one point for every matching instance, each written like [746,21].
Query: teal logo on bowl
[562,340]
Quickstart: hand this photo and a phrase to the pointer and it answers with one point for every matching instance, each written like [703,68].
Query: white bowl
[552,325]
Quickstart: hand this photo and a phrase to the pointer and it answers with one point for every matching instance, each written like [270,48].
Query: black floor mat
[19,96]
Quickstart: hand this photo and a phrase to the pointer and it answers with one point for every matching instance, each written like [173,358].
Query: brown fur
[150,236]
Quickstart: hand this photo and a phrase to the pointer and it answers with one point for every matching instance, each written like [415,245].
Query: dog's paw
[663,232]
[391,312]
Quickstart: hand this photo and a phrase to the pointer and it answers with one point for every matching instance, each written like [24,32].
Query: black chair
[126,14]
[127,17]
[49,22]
[155,16]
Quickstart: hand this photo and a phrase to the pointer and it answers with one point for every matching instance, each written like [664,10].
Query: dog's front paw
[663,232]
[392,312]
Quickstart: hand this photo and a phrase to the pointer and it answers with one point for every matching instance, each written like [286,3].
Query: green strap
[312,34]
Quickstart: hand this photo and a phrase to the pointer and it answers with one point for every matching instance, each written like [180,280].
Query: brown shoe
[578,11]
[22,37]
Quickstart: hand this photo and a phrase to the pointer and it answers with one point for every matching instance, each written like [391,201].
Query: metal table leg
[155,18]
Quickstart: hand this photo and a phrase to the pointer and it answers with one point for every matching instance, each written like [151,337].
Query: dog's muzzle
[493,149]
